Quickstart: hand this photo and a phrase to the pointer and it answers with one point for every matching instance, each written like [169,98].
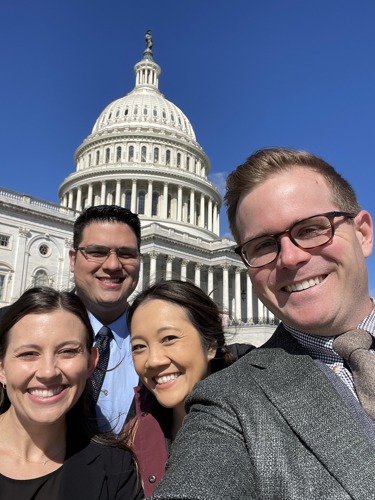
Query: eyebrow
[62,344]
[159,331]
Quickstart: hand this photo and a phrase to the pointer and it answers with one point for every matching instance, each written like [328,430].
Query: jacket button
[152,479]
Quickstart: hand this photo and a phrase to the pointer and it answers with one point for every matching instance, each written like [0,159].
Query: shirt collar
[118,327]
[320,347]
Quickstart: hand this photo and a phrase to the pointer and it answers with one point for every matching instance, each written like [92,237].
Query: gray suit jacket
[271,426]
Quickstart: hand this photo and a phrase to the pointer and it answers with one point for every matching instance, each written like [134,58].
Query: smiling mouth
[47,393]
[166,378]
[304,285]
[111,280]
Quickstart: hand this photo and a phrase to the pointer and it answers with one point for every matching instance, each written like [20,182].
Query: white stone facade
[142,154]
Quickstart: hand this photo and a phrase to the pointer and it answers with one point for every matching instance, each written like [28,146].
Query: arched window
[141,202]
[156,155]
[155,203]
[118,153]
[41,278]
[135,110]
[131,153]
[188,163]
[155,112]
[90,160]
[128,199]
[97,157]
[168,157]
[143,154]
[179,159]
[107,155]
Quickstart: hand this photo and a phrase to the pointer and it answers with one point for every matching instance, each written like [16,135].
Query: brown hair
[268,162]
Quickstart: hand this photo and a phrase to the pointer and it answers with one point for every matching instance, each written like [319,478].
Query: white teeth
[46,393]
[166,378]
[304,285]
[110,280]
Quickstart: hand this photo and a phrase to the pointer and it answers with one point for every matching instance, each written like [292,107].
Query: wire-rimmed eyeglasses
[309,233]
[100,253]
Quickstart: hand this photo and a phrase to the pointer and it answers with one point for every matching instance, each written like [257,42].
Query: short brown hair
[268,162]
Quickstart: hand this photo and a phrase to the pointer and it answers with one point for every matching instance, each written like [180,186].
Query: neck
[33,442]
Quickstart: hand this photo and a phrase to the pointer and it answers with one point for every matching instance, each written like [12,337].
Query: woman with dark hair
[177,339]
[48,448]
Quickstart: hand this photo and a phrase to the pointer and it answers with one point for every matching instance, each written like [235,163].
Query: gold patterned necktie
[354,347]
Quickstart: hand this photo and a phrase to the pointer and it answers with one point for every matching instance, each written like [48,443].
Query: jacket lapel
[83,476]
[314,410]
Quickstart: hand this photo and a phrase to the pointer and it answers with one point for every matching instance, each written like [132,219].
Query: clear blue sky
[248,74]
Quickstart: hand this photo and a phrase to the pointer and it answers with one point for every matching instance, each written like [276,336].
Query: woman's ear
[93,361]
[211,351]
[3,378]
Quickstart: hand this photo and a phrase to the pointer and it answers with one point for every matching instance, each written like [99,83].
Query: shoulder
[278,353]
[110,458]
[239,350]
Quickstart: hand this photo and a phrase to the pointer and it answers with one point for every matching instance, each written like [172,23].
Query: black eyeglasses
[309,233]
[100,253]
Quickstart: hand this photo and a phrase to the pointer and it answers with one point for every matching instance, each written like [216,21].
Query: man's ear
[93,361]
[72,259]
[365,231]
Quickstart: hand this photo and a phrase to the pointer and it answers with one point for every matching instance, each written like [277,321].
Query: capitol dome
[143,154]
[145,106]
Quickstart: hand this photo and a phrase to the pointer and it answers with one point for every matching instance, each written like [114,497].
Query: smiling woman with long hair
[177,339]
[48,448]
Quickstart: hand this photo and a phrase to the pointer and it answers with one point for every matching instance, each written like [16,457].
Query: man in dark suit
[105,261]
[287,421]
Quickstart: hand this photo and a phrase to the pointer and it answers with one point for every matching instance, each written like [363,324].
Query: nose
[48,368]
[290,255]
[112,262]
[156,357]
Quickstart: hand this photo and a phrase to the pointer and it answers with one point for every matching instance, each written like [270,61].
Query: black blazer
[100,473]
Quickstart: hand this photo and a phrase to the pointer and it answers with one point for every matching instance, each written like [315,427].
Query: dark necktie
[104,337]
[354,347]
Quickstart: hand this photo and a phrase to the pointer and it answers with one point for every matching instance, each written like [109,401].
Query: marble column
[133,204]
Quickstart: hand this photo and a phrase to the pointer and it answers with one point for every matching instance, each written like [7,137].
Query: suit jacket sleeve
[270,426]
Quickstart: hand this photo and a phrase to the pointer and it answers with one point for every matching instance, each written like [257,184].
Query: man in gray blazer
[285,421]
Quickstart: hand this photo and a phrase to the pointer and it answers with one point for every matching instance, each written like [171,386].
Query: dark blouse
[40,488]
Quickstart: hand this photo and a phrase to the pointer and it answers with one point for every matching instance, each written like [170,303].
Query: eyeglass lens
[308,233]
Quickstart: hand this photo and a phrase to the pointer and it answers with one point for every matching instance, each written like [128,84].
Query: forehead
[159,311]
[109,234]
[281,200]
[47,327]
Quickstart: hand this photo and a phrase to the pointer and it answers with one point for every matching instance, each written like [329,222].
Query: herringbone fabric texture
[104,338]
[354,347]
